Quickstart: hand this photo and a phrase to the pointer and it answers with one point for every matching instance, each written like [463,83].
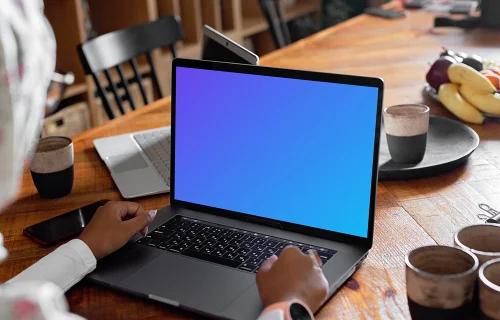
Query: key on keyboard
[156,146]
[234,248]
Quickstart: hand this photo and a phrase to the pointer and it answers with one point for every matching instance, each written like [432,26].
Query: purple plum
[438,73]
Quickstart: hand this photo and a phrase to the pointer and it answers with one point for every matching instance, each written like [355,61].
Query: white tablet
[218,47]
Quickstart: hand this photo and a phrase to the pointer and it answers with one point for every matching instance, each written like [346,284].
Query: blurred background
[73,104]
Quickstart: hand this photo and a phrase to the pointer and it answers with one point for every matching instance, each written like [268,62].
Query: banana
[485,102]
[453,101]
[460,73]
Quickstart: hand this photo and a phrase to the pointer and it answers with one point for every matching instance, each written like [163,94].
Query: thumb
[268,264]
[139,222]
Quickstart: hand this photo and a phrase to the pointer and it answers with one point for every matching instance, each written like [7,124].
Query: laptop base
[201,286]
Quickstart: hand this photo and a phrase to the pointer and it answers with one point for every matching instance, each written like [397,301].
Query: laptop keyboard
[156,146]
[218,244]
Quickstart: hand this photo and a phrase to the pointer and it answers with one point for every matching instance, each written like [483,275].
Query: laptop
[293,161]
[218,47]
[139,162]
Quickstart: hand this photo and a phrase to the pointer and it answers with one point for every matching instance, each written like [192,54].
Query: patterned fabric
[27,62]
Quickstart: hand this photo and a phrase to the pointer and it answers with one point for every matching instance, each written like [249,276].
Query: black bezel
[282,73]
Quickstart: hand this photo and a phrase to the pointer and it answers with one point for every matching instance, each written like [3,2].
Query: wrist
[89,245]
[292,309]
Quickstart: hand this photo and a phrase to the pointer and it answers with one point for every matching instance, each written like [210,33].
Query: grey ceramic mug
[489,290]
[440,282]
[406,128]
[483,240]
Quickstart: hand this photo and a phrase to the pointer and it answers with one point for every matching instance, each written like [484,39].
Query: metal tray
[449,144]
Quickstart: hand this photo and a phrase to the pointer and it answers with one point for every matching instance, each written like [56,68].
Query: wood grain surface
[409,213]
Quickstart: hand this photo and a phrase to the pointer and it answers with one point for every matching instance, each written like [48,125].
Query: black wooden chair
[113,49]
[277,24]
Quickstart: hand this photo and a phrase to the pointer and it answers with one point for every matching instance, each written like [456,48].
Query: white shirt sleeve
[64,267]
[273,315]
[72,261]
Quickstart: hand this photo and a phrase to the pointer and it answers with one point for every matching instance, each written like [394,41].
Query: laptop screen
[292,150]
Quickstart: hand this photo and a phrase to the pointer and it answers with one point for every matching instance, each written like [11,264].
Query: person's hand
[113,225]
[292,276]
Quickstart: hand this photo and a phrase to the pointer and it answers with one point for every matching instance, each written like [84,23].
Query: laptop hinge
[264,222]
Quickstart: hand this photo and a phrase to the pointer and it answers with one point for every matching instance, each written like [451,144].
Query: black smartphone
[64,226]
[385,13]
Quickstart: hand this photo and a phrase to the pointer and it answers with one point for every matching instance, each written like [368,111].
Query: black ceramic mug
[406,129]
[52,167]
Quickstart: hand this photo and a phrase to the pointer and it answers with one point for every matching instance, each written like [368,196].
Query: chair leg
[156,84]
[119,68]
[104,99]
[133,63]
[114,89]
[283,24]
[269,11]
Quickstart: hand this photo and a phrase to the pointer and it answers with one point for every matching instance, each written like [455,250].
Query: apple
[494,79]
[492,76]
[438,73]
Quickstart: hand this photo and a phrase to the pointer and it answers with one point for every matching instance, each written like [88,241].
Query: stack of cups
[456,282]
[483,240]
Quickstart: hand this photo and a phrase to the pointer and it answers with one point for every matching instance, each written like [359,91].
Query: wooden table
[409,213]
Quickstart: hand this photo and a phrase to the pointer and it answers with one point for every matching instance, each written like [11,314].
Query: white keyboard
[156,146]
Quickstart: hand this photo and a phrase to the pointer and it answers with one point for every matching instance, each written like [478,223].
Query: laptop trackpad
[192,283]
[126,162]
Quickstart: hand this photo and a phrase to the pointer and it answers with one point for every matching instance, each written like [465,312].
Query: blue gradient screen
[292,150]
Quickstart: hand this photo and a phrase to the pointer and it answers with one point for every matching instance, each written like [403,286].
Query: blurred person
[27,62]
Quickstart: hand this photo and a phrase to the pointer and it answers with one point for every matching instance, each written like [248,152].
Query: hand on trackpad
[126,162]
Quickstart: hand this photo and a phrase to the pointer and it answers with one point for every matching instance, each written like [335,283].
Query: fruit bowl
[433,94]
[431,91]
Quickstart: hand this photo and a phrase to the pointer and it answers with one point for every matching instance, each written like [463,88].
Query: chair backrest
[111,50]
[277,24]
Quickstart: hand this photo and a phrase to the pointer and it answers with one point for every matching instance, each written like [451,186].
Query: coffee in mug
[52,167]
[406,129]
[440,282]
